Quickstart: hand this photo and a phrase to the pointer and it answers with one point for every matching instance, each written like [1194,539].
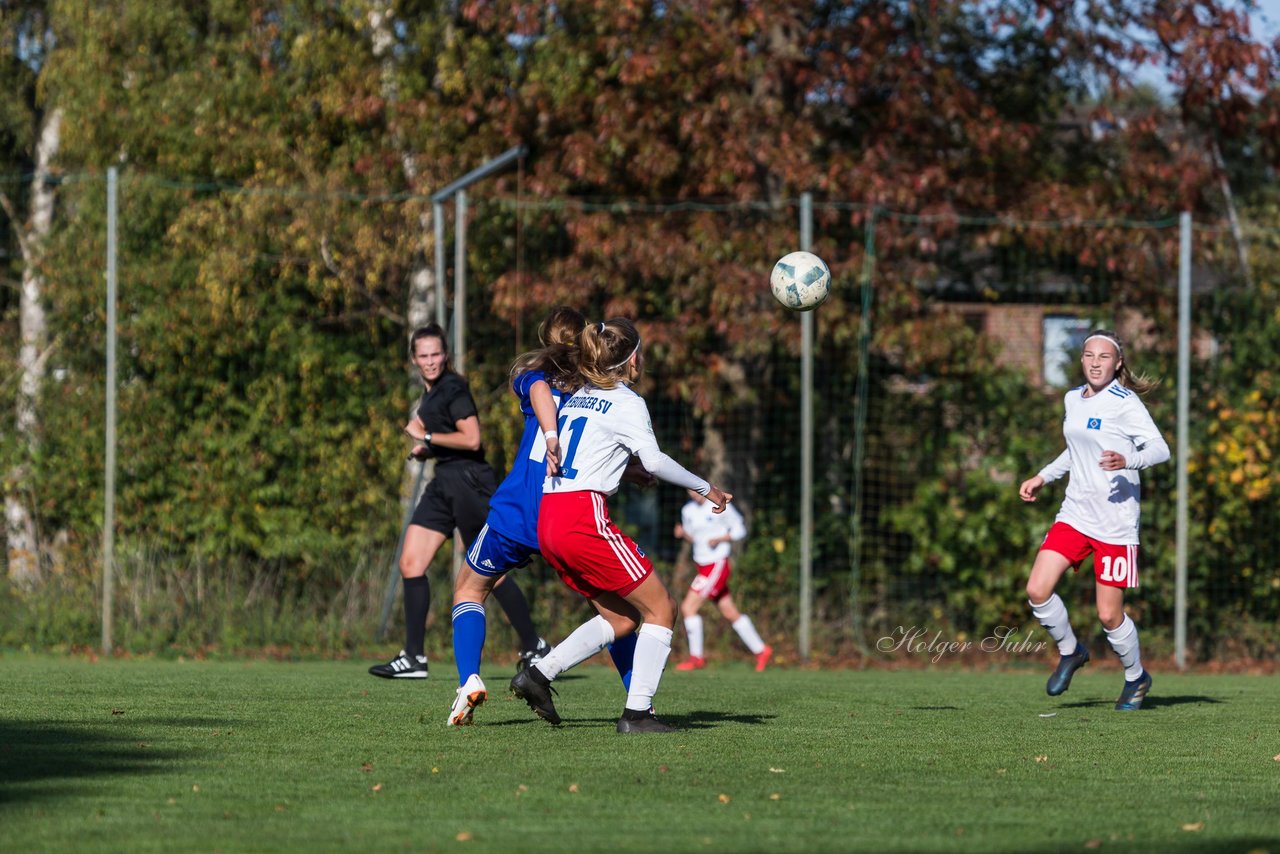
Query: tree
[32,133]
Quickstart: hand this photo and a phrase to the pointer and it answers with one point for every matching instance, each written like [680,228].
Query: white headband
[628,359]
[1105,337]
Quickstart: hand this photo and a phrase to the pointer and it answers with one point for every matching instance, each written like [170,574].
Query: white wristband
[550,434]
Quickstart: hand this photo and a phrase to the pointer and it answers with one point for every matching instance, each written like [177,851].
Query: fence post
[861,402]
[109,491]
[806,445]
[437,224]
[1184,402]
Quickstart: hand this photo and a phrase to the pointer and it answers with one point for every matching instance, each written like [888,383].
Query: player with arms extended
[600,428]
[712,535]
[1110,436]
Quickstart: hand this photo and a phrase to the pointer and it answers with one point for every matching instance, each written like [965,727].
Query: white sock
[1052,614]
[653,645]
[693,628]
[1124,640]
[747,631]
[585,641]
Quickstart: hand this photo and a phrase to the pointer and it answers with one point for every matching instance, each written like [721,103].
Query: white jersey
[1104,504]
[600,428]
[703,524]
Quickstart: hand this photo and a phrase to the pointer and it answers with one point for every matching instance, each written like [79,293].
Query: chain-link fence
[262,386]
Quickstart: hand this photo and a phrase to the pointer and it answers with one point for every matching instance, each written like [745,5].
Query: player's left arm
[634,431]
[466,437]
[1150,448]
[544,410]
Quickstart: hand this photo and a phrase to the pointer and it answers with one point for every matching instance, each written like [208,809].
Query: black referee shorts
[457,497]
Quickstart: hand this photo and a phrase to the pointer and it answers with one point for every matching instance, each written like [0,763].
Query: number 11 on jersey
[574,433]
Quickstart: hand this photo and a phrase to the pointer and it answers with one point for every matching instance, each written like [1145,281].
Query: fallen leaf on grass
[281,808]
[1276,757]
[1193,826]
[521,789]
[724,799]
[377,787]
[775,797]
[662,769]
[1093,843]
[195,788]
[435,770]
[366,767]
[1042,758]
[117,711]
[1002,770]
[777,771]
[573,787]
[464,836]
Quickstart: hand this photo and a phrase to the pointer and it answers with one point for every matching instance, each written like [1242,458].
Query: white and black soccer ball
[800,281]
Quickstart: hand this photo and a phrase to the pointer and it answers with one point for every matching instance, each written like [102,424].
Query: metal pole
[861,402]
[482,171]
[1184,418]
[806,444]
[437,219]
[109,498]
[460,282]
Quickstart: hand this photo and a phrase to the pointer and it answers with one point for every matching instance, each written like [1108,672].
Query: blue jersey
[513,509]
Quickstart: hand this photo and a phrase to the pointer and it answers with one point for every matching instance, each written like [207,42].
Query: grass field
[257,755]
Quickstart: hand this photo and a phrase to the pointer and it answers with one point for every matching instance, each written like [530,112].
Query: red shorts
[1114,565]
[713,580]
[588,551]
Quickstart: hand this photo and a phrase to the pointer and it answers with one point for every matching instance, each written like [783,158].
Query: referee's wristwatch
[427,438]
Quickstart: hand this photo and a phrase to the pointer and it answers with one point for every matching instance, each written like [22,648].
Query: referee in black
[446,426]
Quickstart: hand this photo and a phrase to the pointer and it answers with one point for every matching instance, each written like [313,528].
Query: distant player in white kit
[601,426]
[1110,436]
[712,535]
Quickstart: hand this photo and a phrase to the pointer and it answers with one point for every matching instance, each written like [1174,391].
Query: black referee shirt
[440,409]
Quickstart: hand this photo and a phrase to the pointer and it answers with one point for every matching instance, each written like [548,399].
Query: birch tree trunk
[420,302]
[20,528]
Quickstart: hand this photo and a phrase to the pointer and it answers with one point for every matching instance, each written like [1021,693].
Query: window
[1063,337]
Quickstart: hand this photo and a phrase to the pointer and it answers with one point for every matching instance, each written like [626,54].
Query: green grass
[257,755]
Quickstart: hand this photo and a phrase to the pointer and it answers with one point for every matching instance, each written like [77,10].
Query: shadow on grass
[691,721]
[40,760]
[1151,702]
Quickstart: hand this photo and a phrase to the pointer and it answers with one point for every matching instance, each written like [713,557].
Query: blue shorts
[492,553]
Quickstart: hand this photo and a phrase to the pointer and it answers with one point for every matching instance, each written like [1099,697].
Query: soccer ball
[800,281]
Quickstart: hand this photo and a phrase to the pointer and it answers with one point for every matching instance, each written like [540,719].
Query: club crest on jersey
[1094,424]
[639,551]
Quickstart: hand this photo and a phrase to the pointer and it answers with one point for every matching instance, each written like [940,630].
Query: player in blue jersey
[446,427]
[509,538]
[1110,436]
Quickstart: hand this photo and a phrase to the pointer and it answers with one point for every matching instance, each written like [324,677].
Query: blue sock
[468,638]
[623,652]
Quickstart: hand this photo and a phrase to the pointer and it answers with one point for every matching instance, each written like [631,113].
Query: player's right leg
[1049,567]
[420,547]
[693,628]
